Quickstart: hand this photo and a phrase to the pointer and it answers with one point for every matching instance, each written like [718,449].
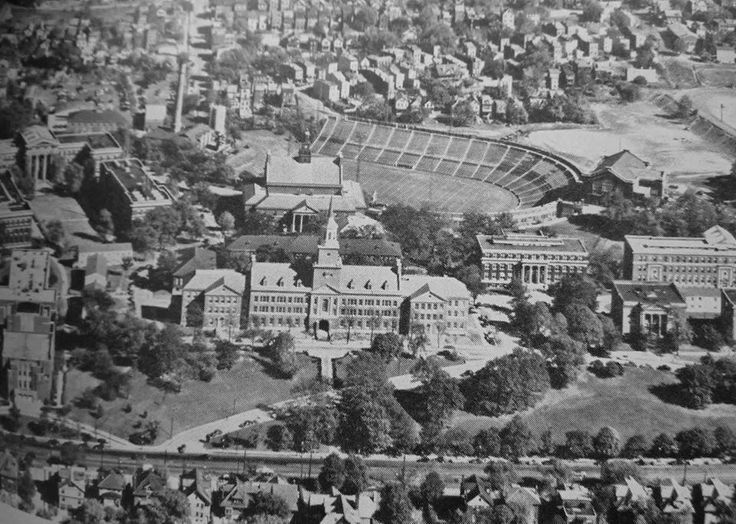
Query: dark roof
[90,116]
[626,166]
[193,259]
[649,293]
[623,158]
[308,244]
[730,294]
[149,480]
[113,481]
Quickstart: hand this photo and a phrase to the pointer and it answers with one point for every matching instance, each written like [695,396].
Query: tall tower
[328,268]
[183,63]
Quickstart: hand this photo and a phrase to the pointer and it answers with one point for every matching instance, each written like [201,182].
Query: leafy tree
[616,471]
[26,488]
[105,224]
[364,425]
[574,288]
[607,443]
[73,177]
[583,324]
[511,383]
[664,446]
[439,34]
[635,446]
[226,221]
[440,395]
[143,236]
[14,116]
[680,332]
[418,338]
[501,474]
[432,487]
[90,512]
[578,444]
[517,439]
[695,442]
[54,232]
[684,107]
[160,352]
[356,475]
[264,503]
[463,114]
[332,473]
[515,113]
[454,441]
[697,385]
[227,354]
[278,437]
[311,425]
[375,107]
[395,505]
[725,440]
[564,358]
[281,352]
[387,345]
[592,11]
[203,196]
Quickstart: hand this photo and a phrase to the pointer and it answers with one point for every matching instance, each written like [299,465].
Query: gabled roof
[446,288]
[113,481]
[209,279]
[274,276]
[192,260]
[35,136]
[149,481]
[626,166]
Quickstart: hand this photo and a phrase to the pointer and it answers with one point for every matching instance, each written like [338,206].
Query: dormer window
[368,285]
[384,285]
[264,281]
[350,284]
[280,282]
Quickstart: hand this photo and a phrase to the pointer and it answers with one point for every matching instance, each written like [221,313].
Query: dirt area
[712,100]
[641,128]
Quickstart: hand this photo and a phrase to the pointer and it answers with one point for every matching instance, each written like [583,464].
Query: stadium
[451,172]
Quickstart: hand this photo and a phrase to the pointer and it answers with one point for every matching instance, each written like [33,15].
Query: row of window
[222,300]
[691,259]
[222,309]
[684,269]
[277,309]
[543,256]
[427,316]
[368,312]
[286,299]
[359,324]
[692,279]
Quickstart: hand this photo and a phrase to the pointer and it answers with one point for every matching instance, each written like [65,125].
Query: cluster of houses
[226,498]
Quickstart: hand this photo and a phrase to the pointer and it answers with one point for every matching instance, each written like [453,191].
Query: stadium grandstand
[528,173]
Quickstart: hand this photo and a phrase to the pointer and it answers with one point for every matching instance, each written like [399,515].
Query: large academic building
[707,261]
[359,299]
[537,260]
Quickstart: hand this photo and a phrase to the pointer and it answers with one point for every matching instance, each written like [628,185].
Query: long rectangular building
[537,260]
[707,261]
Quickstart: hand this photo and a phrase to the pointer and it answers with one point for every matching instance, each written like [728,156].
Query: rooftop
[444,287]
[286,171]
[648,293]
[308,244]
[94,140]
[136,180]
[716,239]
[209,279]
[28,279]
[529,242]
[28,336]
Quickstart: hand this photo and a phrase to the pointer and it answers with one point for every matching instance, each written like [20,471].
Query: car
[423,459]
[246,423]
[212,435]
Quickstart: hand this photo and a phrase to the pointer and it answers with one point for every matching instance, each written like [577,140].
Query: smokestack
[339,169]
[182,77]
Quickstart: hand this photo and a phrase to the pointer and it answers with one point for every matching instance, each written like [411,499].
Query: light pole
[721,112]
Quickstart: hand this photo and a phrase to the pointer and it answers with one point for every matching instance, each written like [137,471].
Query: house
[146,486]
[574,504]
[197,488]
[642,308]
[213,299]
[681,37]
[71,492]
[95,273]
[625,173]
[508,19]
[235,499]
[629,495]
[110,489]
[191,261]
[714,498]
[336,507]
[674,500]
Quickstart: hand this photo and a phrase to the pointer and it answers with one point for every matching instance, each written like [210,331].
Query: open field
[397,185]
[244,387]
[48,206]
[710,102]
[641,128]
[624,403]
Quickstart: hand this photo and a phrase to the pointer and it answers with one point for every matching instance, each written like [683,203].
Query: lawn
[624,403]
[245,386]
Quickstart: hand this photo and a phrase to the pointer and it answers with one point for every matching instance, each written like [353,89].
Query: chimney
[398,272]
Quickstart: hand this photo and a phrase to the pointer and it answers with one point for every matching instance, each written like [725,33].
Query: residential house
[713,500]
[675,501]
[197,488]
[574,504]
[110,489]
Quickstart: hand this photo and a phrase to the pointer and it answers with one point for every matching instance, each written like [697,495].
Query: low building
[645,308]
[537,260]
[675,501]
[110,489]
[574,503]
[623,173]
[131,191]
[234,499]
[72,489]
[215,296]
[714,498]
[95,273]
[681,37]
[16,216]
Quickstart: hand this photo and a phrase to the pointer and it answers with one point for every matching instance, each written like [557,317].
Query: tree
[332,473]
[592,11]
[73,177]
[432,487]
[364,426]
[636,446]
[387,345]
[105,223]
[439,34]
[617,471]
[418,338]
[725,440]
[515,113]
[90,512]
[278,437]
[684,107]
[311,425]
[264,503]
[516,438]
[159,353]
[440,394]
[143,236]
[607,443]
[226,222]
[578,444]
[356,475]
[395,506]
[227,354]
[583,324]
[695,442]
[697,385]
[203,196]
[54,232]
[463,114]
[511,383]
[487,443]
[574,288]
[281,352]
[26,488]
[663,446]
[501,474]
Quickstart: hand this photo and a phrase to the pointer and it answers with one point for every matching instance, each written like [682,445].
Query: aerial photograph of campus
[368,261]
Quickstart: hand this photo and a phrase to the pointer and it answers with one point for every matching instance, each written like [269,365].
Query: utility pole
[721,112]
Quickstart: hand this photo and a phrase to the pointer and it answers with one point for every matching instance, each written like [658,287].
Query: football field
[395,185]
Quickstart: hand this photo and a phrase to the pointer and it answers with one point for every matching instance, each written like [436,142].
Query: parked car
[212,435]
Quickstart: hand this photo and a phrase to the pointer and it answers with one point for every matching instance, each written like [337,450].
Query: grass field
[445,193]
[641,128]
[710,101]
[243,387]
[624,403]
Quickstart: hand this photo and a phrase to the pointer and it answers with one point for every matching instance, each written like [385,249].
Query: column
[542,274]
[44,166]
[293,221]
[527,273]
